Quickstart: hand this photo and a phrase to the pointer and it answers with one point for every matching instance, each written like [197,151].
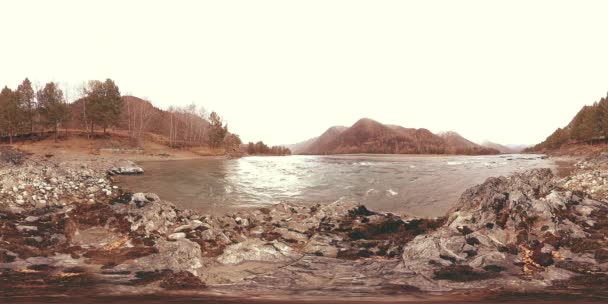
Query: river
[405,184]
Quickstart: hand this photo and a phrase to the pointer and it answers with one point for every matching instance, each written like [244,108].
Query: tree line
[260,148]
[100,105]
[23,109]
[588,125]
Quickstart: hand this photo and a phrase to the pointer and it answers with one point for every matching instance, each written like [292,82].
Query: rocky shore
[67,229]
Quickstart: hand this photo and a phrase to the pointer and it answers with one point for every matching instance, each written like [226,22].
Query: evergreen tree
[104,104]
[217,130]
[584,125]
[25,94]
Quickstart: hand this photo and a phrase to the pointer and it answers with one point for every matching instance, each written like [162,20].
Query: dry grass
[76,144]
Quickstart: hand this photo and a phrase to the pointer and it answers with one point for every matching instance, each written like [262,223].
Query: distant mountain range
[370,136]
[505,149]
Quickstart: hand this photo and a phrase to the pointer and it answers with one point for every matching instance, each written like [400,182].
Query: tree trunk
[55,132]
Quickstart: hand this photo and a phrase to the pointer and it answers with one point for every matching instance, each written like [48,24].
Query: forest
[589,125]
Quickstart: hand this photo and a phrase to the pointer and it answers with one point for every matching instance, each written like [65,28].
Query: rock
[32,219]
[291,236]
[23,228]
[183,280]
[148,212]
[180,255]
[176,236]
[256,250]
[321,245]
[509,220]
[194,224]
[125,168]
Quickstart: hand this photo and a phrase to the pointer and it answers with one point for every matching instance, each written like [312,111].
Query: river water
[415,185]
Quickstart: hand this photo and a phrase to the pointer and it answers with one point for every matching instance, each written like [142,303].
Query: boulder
[125,167]
[257,251]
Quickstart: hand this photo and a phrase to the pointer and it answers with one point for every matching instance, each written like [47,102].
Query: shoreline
[254,250]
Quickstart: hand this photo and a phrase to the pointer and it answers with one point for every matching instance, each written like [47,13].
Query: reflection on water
[416,185]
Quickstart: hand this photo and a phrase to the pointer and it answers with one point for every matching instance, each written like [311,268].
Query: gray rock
[125,167]
[256,250]
[176,236]
[23,228]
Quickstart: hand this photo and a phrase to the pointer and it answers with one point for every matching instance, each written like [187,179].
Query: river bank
[68,229]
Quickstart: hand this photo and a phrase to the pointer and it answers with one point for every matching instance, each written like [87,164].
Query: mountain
[302,146]
[455,142]
[505,149]
[370,136]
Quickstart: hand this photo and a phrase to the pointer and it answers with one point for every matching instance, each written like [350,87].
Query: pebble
[31,218]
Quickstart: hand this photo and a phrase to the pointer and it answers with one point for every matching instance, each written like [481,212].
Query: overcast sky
[284,71]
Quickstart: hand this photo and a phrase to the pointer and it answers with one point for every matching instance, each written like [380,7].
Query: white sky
[284,71]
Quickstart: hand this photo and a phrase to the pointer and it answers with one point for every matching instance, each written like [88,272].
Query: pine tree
[25,94]
[217,130]
[104,104]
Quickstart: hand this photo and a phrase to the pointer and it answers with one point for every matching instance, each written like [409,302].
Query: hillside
[179,127]
[589,126]
[370,136]
[505,149]
[302,146]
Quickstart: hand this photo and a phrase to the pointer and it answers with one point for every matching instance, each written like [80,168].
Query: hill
[302,146]
[370,136]
[178,127]
[505,149]
[589,126]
